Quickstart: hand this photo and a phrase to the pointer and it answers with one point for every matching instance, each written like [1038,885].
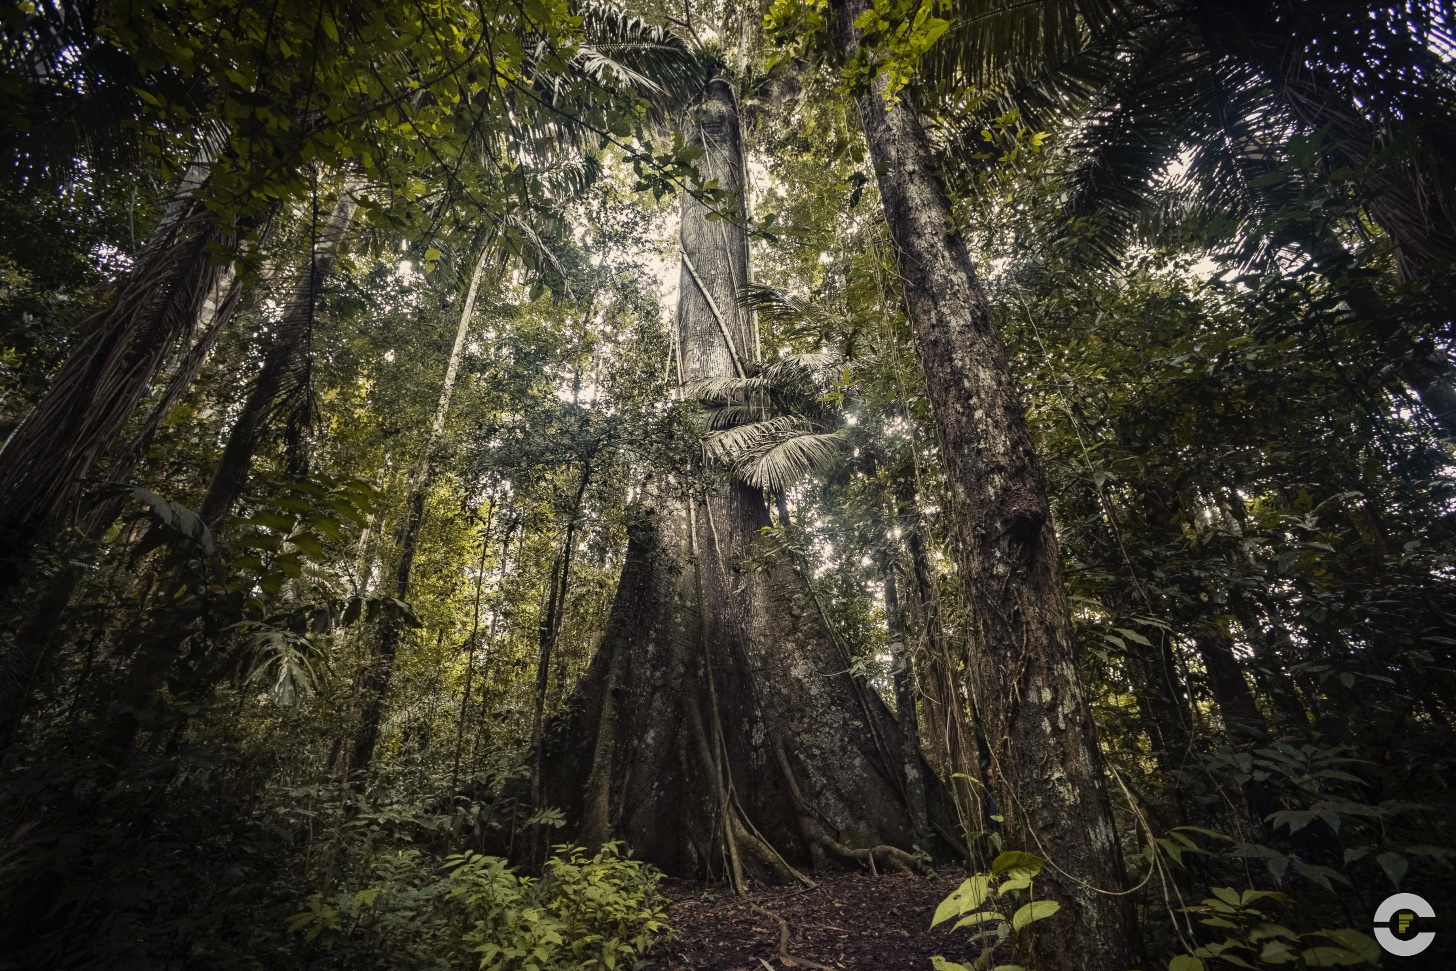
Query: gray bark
[1046,770]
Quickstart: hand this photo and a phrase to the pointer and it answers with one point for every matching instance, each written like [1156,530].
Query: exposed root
[784,954]
[762,852]
[896,858]
[818,834]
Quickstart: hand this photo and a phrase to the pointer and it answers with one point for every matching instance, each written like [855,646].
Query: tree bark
[906,714]
[1046,768]
[717,729]
[284,371]
[47,460]
[947,719]
[373,686]
[35,636]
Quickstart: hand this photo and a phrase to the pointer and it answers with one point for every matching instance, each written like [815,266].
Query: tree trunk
[471,643]
[1047,771]
[48,458]
[550,628]
[948,726]
[279,377]
[903,674]
[1269,667]
[1235,700]
[285,367]
[717,730]
[35,636]
[374,682]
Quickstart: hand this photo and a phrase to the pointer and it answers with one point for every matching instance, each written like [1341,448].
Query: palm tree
[45,463]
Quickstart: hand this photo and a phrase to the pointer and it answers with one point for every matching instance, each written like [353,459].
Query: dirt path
[851,921]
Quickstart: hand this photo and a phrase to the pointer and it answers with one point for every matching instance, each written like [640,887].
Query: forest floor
[851,921]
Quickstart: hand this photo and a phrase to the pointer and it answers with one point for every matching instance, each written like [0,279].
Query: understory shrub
[584,912]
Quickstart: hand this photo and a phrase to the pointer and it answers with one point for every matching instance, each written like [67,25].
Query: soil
[849,921]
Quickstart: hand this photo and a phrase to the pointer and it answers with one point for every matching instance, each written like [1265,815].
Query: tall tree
[45,463]
[1046,769]
[284,374]
[718,729]
[373,686]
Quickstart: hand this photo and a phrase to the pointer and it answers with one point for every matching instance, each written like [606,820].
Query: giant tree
[718,729]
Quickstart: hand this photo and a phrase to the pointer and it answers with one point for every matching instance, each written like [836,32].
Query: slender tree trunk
[36,635]
[903,675]
[47,460]
[1235,700]
[285,367]
[949,728]
[471,643]
[479,738]
[280,376]
[1269,667]
[1047,771]
[374,683]
[550,628]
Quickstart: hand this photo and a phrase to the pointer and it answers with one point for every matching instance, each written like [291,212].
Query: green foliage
[1009,881]
[584,912]
[1253,939]
[1238,464]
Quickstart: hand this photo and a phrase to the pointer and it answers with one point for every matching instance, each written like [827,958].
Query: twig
[784,955]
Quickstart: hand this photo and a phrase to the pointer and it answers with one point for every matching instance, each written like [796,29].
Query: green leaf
[969,896]
[937,962]
[1394,865]
[1330,957]
[1227,894]
[1034,911]
[1185,962]
[1362,944]
[1019,860]
[983,917]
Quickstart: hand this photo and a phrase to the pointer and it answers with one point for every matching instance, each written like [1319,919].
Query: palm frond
[809,371]
[723,389]
[773,453]
[622,50]
[722,417]
[731,446]
[782,308]
[991,43]
[781,465]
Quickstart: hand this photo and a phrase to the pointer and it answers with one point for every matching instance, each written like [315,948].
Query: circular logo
[1393,920]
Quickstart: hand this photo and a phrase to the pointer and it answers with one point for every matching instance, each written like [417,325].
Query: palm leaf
[781,465]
